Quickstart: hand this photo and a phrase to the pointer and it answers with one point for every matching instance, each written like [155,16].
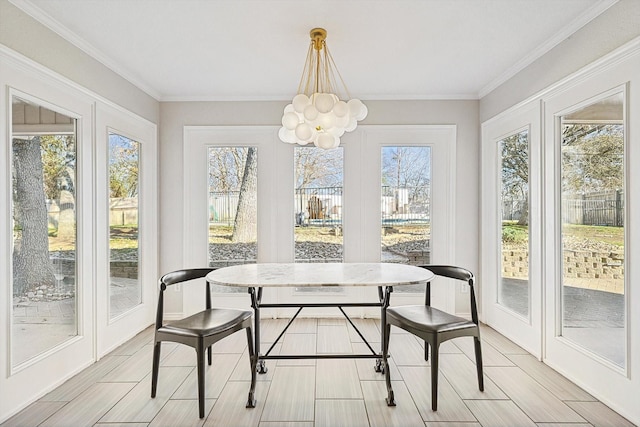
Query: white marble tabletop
[319,274]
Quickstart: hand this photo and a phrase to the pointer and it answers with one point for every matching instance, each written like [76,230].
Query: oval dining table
[256,277]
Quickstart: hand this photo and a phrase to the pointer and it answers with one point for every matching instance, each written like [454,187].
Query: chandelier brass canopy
[317,114]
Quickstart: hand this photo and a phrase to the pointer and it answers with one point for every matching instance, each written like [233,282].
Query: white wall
[175,115]
[616,26]
[23,34]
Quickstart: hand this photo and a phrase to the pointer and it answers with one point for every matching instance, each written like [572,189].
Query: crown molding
[54,25]
[582,20]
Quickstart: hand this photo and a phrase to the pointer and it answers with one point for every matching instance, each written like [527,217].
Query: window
[314,205]
[43,170]
[233,191]
[124,210]
[405,207]
[318,207]
[592,235]
[318,204]
[513,286]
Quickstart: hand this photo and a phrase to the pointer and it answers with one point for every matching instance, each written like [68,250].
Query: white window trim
[526,331]
[113,331]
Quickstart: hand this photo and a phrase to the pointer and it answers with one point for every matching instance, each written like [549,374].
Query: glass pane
[513,287]
[406,207]
[318,175]
[43,144]
[593,242]
[125,291]
[233,195]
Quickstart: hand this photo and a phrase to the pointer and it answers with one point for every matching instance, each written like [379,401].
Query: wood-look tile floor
[519,390]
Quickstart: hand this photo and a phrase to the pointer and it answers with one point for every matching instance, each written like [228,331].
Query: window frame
[361,203]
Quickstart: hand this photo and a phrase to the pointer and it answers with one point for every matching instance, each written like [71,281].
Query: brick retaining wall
[124,269]
[578,264]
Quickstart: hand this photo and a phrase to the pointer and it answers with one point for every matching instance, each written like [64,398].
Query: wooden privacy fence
[601,208]
[604,208]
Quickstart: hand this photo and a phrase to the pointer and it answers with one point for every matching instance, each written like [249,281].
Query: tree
[123,166]
[315,167]
[244,225]
[408,168]
[515,172]
[592,158]
[31,264]
[58,163]
[226,168]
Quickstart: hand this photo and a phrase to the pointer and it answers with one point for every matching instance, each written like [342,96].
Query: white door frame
[526,331]
[614,386]
[365,227]
[275,205]
[22,384]
[112,332]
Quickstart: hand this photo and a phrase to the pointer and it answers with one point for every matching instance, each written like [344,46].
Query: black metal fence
[318,206]
[323,206]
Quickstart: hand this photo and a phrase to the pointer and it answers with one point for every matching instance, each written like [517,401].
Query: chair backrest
[457,273]
[180,276]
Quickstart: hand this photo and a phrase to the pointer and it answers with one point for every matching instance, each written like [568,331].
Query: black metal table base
[259,364]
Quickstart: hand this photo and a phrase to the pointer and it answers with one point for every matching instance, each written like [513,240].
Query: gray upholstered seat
[434,327]
[200,330]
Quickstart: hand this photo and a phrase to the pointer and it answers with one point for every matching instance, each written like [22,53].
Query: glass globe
[323,102]
[325,140]
[310,112]
[290,120]
[337,131]
[286,135]
[363,112]
[342,122]
[355,105]
[304,132]
[340,109]
[300,101]
[351,126]
[327,121]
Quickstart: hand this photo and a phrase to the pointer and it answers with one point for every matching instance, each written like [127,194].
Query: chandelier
[317,114]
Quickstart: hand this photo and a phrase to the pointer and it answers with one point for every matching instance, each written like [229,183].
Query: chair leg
[253,361]
[426,351]
[209,355]
[155,368]
[385,361]
[478,351]
[435,348]
[200,364]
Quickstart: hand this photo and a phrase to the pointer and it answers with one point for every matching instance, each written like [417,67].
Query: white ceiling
[255,49]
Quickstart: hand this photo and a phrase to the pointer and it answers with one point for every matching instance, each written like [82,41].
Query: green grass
[514,233]
[610,235]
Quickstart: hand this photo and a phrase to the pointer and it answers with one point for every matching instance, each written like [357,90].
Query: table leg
[256,299]
[385,297]
[379,367]
[251,401]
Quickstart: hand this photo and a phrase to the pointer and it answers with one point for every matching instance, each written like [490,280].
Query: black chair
[200,330]
[435,327]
